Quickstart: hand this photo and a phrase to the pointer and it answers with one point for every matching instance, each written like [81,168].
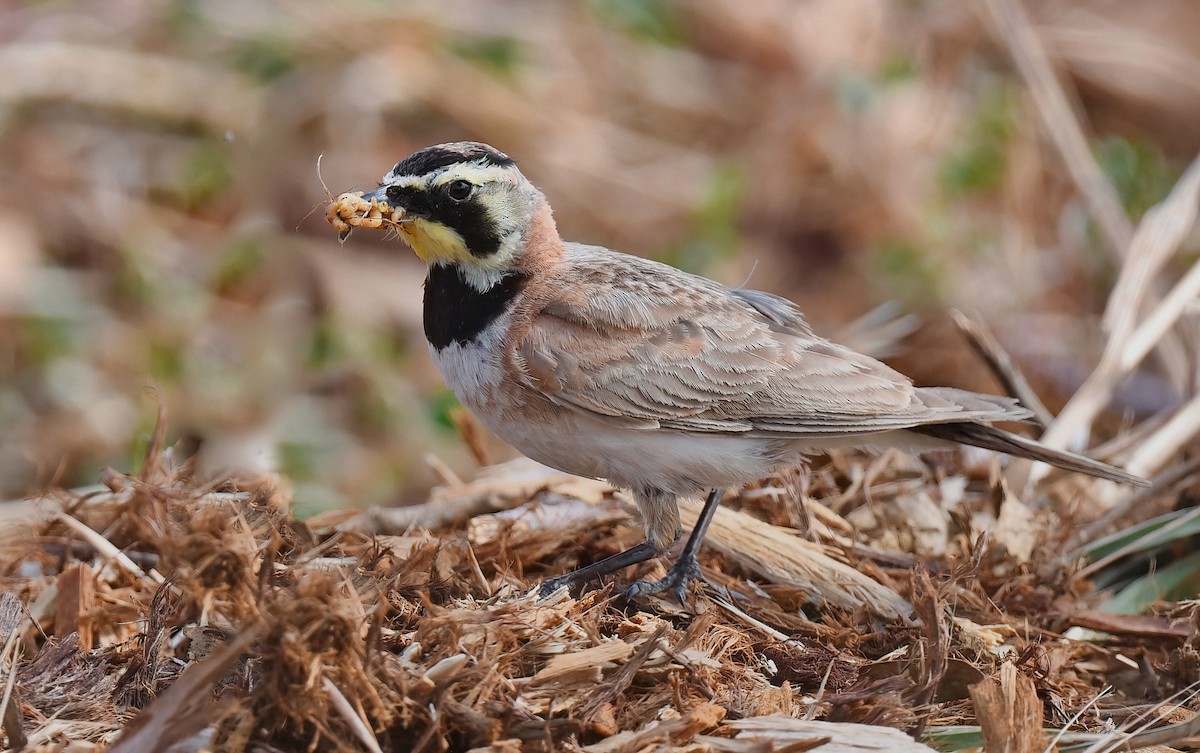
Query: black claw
[684,571]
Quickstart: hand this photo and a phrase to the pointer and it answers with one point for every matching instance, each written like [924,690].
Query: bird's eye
[460,190]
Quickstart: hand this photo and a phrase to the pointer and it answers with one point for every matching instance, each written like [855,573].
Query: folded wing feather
[648,346]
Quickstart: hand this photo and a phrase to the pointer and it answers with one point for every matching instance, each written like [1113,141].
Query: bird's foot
[684,571]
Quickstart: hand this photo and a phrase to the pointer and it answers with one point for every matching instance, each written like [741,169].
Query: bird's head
[464,204]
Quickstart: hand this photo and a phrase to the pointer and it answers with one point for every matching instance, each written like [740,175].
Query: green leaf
[954,738]
[906,274]
[977,165]
[1148,536]
[492,52]
[205,175]
[970,737]
[714,233]
[1138,170]
[651,20]
[1177,581]
[441,404]
[264,59]
[237,263]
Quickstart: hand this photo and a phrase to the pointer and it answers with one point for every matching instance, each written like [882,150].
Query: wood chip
[781,556]
[1009,711]
[580,665]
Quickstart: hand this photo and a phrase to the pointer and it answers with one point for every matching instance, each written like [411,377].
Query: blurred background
[162,240]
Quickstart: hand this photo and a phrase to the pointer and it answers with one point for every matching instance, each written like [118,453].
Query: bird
[613,366]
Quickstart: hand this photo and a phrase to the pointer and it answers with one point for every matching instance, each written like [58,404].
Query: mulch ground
[852,606]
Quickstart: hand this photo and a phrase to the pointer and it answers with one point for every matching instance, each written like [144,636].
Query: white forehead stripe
[477,172]
[406,181]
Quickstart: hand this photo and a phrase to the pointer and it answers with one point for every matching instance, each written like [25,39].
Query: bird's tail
[991,438]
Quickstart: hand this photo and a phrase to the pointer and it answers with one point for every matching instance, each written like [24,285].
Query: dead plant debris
[211,619]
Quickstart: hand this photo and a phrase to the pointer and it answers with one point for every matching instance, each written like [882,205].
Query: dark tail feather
[991,438]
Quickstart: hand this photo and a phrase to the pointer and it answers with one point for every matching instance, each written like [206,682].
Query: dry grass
[158,612]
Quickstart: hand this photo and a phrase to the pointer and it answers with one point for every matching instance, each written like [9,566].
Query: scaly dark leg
[576,578]
[686,567]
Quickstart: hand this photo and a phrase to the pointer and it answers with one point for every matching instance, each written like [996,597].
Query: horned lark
[612,366]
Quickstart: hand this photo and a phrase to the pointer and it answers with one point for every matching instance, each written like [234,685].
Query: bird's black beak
[379,194]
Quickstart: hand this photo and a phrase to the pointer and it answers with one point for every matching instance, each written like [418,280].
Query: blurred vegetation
[161,213]
[1139,171]
[977,163]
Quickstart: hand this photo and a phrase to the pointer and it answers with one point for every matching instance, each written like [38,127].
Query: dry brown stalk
[1132,338]
[1002,365]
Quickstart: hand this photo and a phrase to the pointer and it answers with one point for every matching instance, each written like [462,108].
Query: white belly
[632,459]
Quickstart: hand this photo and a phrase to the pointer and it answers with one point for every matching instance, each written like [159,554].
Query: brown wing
[645,345]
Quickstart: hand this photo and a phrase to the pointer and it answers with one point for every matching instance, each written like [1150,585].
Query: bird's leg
[660,514]
[686,567]
[576,578]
